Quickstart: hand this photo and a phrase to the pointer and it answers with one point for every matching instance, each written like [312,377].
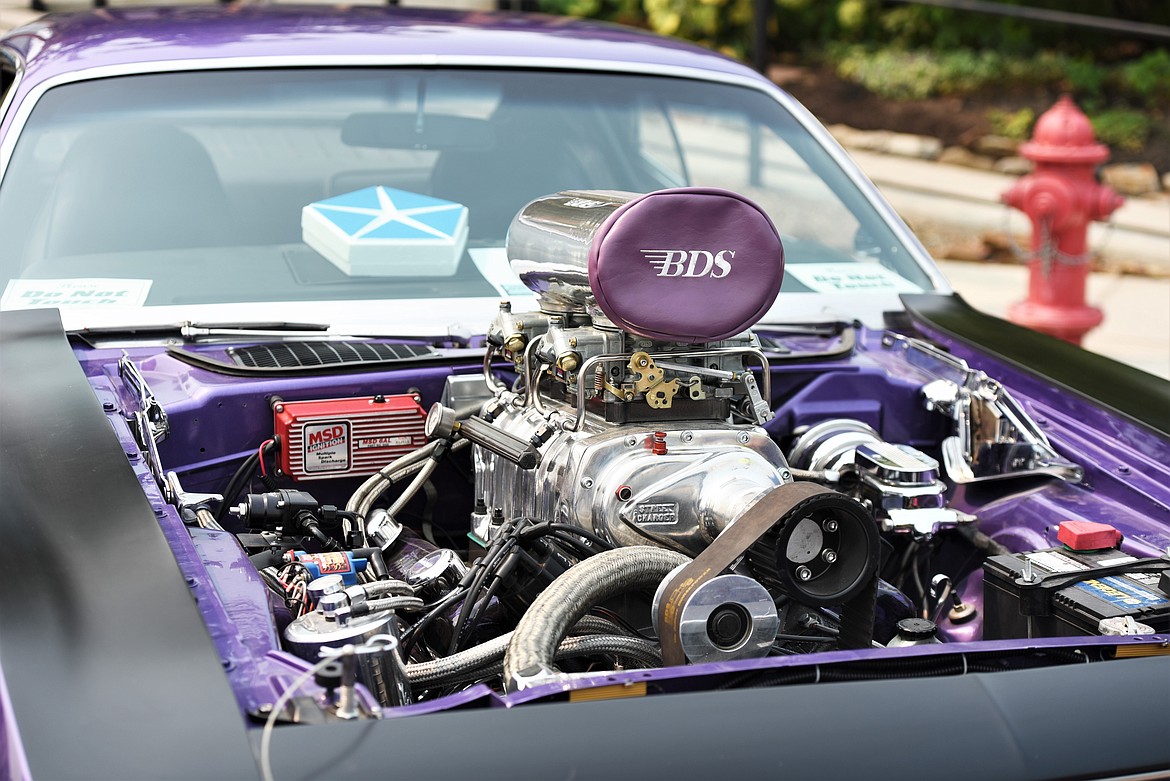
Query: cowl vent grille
[295,355]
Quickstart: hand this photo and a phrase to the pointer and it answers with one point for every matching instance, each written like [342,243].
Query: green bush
[897,75]
[920,74]
[1085,78]
[1122,128]
[1042,69]
[621,11]
[810,25]
[1012,124]
[1148,78]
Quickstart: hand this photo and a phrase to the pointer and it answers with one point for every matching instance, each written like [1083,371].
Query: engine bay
[628,479]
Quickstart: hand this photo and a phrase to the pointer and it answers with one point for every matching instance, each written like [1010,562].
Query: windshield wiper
[194,331]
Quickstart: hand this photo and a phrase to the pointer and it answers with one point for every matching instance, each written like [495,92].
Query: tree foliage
[810,27]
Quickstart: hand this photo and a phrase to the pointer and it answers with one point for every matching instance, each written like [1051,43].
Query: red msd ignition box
[346,437]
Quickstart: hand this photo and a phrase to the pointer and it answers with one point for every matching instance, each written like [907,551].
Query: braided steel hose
[477,661]
[533,646]
[444,673]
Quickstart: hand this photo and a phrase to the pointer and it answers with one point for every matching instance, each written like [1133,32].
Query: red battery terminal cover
[353,437]
[1087,535]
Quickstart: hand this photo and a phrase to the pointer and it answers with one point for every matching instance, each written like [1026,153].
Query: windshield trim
[416,318]
[11,57]
[803,117]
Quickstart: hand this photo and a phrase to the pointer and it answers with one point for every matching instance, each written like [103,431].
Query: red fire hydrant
[1061,197]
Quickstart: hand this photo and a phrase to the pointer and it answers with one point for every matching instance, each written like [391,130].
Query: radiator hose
[598,637]
[532,650]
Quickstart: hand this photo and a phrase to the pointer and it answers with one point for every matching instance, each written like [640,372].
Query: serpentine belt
[749,529]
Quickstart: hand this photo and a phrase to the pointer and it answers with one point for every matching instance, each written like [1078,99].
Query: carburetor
[637,373]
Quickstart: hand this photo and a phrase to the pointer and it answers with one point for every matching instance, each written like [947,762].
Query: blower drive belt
[788,537]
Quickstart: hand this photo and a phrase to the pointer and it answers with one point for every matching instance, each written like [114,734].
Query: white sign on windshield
[849,278]
[60,293]
[492,262]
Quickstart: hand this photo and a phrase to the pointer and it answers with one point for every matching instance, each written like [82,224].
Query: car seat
[530,158]
[109,194]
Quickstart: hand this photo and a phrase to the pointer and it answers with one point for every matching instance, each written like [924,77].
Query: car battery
[352,437]
[1060,592]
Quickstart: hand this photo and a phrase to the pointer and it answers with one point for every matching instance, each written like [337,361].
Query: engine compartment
[586,498]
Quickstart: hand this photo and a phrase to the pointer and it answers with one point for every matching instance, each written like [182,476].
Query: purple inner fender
[691,264]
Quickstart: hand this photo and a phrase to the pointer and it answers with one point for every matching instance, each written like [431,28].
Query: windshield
[191,188]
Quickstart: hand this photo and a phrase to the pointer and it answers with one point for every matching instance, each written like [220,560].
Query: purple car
[453,395]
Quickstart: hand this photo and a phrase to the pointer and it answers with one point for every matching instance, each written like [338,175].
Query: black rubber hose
[980,540]
[307,521]
[236,484]
[377,562]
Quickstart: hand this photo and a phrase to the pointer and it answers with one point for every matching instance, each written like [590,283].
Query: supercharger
[678,484]
[636,375]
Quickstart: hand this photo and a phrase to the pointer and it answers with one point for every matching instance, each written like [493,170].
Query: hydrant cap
[1063,134]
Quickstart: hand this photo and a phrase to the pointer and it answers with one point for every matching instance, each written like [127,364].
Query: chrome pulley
[822,551]
[815,545]
[728,617]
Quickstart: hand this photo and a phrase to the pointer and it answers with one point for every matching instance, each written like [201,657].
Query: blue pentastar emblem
[387,213]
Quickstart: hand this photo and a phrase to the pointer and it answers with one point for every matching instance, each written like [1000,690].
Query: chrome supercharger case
[677,485]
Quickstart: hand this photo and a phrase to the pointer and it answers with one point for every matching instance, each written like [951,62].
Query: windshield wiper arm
[193,331]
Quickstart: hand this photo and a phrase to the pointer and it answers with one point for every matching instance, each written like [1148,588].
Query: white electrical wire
[281,701]
[377,644]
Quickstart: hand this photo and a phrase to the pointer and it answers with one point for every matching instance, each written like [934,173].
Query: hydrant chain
[1047,248]
[1050,253]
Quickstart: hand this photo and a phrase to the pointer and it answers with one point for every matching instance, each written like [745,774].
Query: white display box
[383,232]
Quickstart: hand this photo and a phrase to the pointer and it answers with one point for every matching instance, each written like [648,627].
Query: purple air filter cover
[692,264]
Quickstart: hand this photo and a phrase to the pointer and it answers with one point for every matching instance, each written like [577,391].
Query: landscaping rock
[852,137]
[996,146]
[785,75]
[961,155]
[908,145]
[1131,178]
[839,132]
[969,249]
[901,144]
[1013,166]
[870,140]
[1004,248]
